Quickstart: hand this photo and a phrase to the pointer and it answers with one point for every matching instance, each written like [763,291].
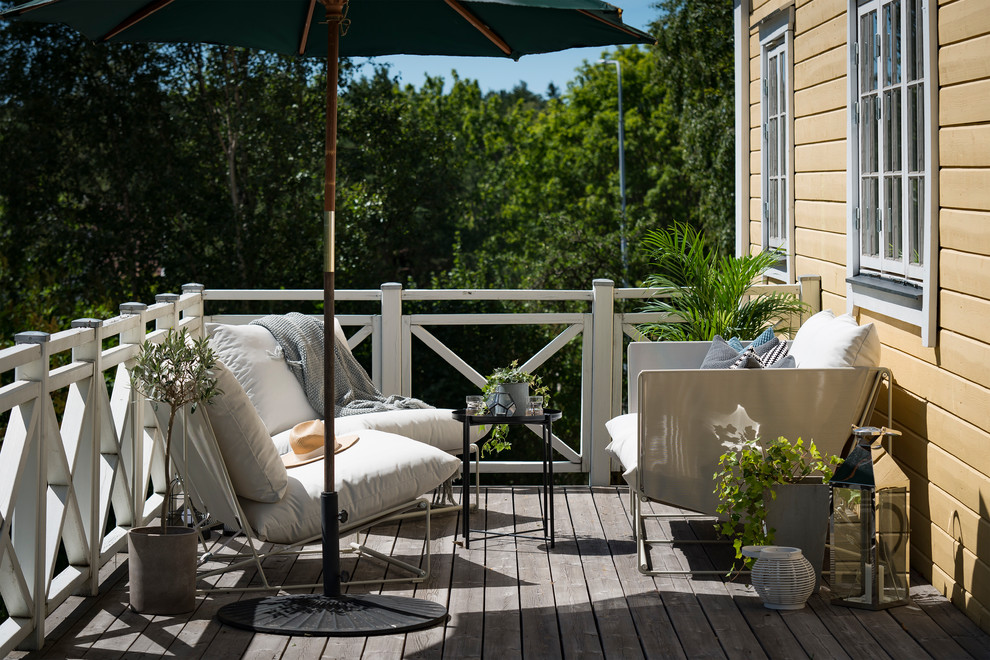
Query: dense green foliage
[129,170]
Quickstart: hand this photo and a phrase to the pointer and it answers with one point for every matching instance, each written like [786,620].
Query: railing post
[30,524]
[391,359]
[172,320]
[199,309]
[92,352]
[811,292]
[136,336]
[603,320]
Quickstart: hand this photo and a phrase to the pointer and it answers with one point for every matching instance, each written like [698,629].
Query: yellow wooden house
[863,151]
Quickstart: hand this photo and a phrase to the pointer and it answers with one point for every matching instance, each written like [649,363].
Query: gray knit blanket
[300,339]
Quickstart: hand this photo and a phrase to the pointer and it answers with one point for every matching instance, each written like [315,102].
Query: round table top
[549,415]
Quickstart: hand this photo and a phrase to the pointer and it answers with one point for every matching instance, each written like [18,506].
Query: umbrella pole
[332,613]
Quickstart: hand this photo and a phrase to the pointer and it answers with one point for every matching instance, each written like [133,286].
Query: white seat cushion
[255,469]
[433,426]
[826,340]
[381,470]
[251,353]
[623,448]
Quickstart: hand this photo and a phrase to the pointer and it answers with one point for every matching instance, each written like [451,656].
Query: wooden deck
[515,598]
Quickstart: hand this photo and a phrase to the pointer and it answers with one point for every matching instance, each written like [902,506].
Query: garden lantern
[869,525]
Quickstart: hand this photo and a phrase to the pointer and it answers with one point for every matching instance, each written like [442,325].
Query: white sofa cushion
[252,354]
[380,471]
[255,468]
[623,448]
[433,426]
[826,340]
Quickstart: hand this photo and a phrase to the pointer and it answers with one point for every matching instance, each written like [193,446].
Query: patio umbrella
[334,29]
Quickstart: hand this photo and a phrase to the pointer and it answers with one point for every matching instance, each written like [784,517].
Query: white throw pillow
[624,447]
[826,340]
[255,468]
[379,471]
[251,353]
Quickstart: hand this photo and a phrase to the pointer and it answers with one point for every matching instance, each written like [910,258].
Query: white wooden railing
[81,479]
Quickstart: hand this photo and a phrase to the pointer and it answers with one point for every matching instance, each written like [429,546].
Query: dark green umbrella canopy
[485,28]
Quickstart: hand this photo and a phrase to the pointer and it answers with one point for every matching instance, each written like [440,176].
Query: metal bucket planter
[508,399]
[800,516]
[162,570]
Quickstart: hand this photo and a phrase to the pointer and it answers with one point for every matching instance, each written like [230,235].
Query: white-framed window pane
[869,207]
[892,130]
[916,128]
[892,223]
[868,49]
[868,139]
[891,47]
[916,215]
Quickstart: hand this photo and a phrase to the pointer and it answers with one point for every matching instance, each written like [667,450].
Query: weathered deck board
[513,598]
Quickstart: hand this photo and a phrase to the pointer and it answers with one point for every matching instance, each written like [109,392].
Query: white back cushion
[255,468]
[826,340]
[251,353]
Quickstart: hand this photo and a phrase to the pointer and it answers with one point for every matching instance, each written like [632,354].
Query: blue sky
[494,74]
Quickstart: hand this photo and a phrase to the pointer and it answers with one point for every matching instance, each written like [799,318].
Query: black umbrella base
[318,615]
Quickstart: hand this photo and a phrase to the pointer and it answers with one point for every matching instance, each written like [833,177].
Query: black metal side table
[545,421]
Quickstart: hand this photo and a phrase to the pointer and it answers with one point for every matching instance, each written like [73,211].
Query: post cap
[167,298]
[31,337]
[132,307]
[87,323]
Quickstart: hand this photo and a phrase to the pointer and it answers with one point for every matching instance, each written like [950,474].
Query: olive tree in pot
[775,494]
[162,558]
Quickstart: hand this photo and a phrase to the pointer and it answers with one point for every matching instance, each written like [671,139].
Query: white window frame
[777,44]
[895,287]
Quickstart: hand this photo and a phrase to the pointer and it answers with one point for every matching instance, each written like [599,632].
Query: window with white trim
[891,190]
[777,145]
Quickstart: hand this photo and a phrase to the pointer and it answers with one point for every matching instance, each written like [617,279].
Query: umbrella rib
[620,27]
[480,26]
[303,42]
[136,18]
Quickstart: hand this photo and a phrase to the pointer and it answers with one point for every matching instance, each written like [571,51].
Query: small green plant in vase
[750,474]
[176,372]
[506,392]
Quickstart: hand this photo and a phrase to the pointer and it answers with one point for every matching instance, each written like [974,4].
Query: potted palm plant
[704,293]
[506,392]
[774,493]
[162,559]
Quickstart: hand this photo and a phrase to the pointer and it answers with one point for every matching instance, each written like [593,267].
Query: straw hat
[306,441]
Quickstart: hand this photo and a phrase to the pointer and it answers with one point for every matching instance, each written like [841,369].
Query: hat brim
[341,442]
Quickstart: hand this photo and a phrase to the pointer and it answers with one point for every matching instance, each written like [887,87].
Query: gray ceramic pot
[508,399]
[162,570]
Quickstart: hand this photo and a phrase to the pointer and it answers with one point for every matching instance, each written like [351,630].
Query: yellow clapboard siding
[754,137]
[964,272]
[964,61]
[967,315]
[910,411]
[958,437]
[964,188]
[957,395]
[755,209]
[823,216]
[821,245]
[820,38]
[820,157]
[833,275]
[968,231]
[761,9]
[815,13]
[961,563]
[965,357]
[960,598]
[820,128]
[964,146]
[903,336]
[754,67]
[820,186]
[958,521]
[964,484]
[962,20]
[822,68]
[966,103]
[820,98]
[755,162]
[836,303]
[755,115]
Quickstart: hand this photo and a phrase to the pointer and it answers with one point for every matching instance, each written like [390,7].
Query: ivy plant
[176,372]
[748,474]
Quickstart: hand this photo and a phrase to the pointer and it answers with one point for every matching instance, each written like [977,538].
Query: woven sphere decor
[781,575]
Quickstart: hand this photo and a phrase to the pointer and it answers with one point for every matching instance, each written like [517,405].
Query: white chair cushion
[433,426]
[255,468]
[251,353]
[826,340]
[381,470]
[623,447]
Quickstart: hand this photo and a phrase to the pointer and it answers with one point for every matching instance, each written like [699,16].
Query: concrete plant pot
[800,516]
[162,570]
[509,399]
